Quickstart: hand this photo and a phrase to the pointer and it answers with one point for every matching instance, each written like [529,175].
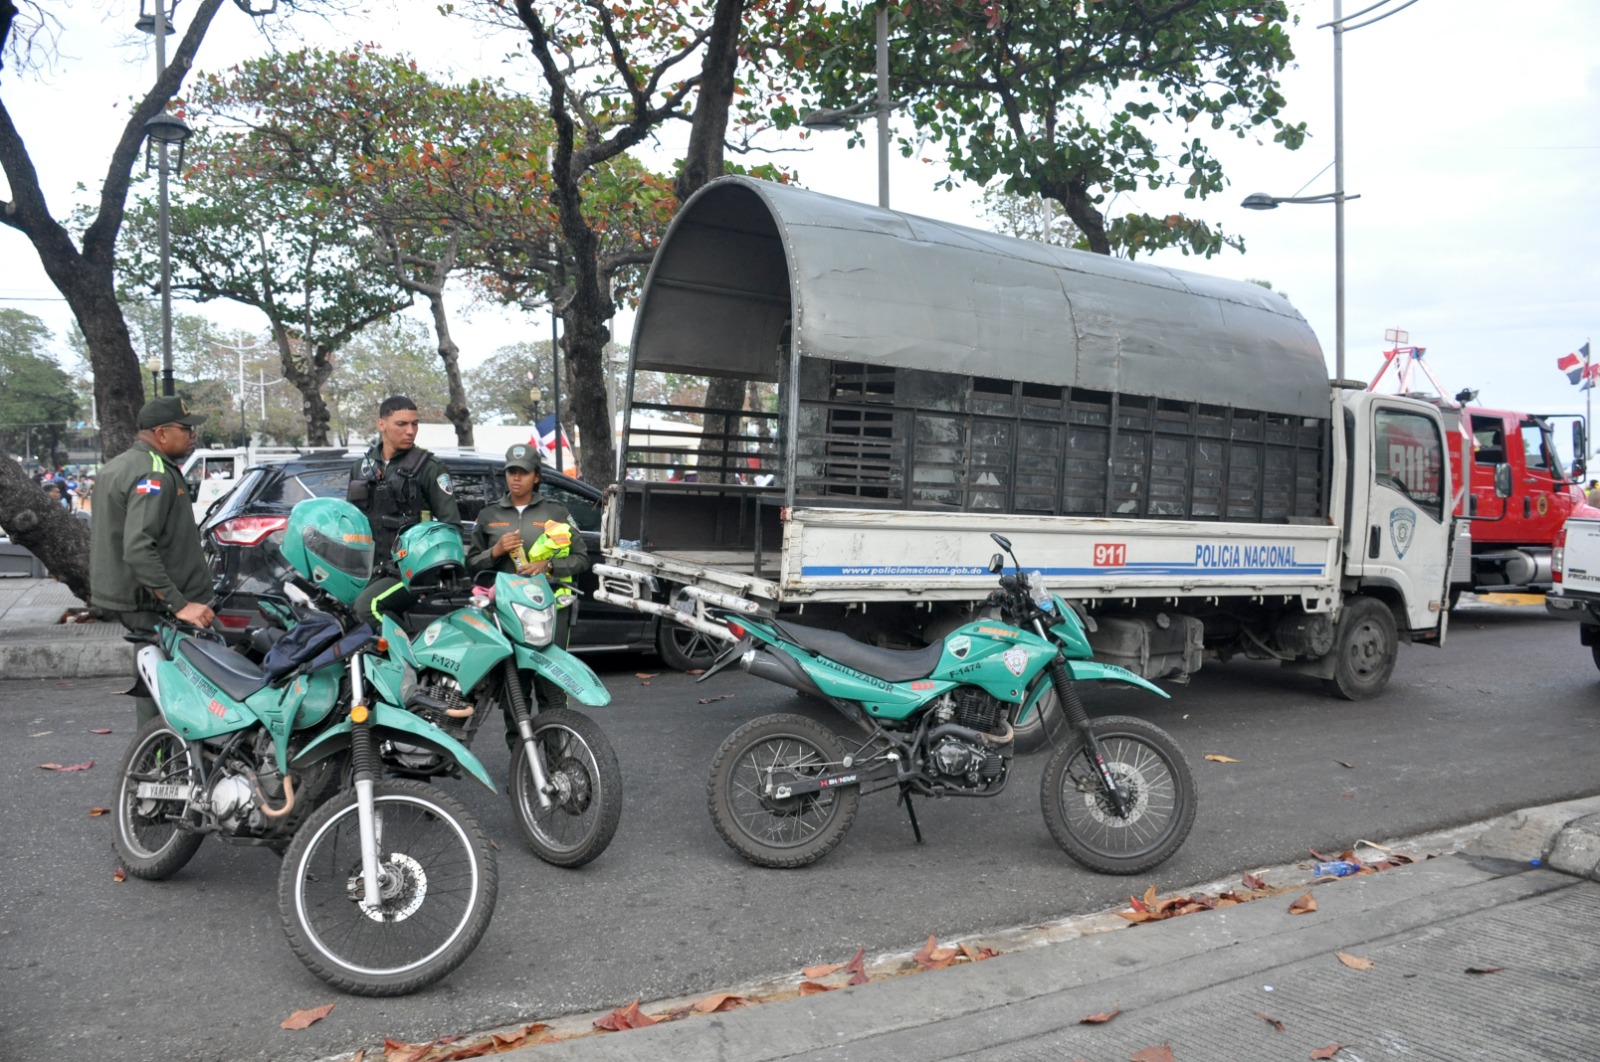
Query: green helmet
[429,553]
[329,542]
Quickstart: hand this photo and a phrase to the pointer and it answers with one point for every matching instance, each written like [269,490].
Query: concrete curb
[65,651]
[1564,837]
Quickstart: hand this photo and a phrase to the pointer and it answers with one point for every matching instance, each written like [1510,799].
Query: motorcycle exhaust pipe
[775,667]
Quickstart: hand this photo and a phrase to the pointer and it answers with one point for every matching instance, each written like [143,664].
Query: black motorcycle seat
[891,665]
[235,674]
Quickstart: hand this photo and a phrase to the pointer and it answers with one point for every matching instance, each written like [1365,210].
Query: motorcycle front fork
[1078,718]
[364,771]
[524,723]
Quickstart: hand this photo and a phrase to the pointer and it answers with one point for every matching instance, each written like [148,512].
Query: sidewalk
[34,643]
[1213,985]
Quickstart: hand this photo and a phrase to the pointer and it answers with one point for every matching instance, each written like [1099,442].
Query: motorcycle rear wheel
[149,840]
[438,879]
[580,762]
[771,831]
[1157,788]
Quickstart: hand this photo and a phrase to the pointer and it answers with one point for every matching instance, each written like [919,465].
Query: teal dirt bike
[386,885]
[1117,793]
[476,663]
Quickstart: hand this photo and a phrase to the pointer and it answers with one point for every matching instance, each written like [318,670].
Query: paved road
[1508,715]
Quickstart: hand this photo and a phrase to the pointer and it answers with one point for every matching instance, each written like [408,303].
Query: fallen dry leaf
[99,811]
[978,954]
[719,1001]
[1355,962]
[934,957]
[1304,905]
[629,1017]
[696,671]
[119,875]
[811,988]
[1327,1052]
[824,970]
[359,1056]
[1253,882]
[645,674]
[400,1051]
[100,730]
[1101,1018]
[1274,1022]
[857,967]
[1216,757]
[1484,969]
[1158,1053]
[84,766]
[505,1041]
[302,1019]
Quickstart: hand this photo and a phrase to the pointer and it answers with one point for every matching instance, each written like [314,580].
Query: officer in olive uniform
[394,484]
[145,557]
[515,523]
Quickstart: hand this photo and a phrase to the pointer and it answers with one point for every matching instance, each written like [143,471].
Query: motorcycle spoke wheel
[587,803]
[771,830]
[437,880]
[151,839]
[1157,791]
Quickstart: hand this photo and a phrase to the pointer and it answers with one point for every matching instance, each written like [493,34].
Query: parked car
[242,533]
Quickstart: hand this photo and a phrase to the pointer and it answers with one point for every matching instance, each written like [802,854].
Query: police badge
[1016,660]
[1402,525]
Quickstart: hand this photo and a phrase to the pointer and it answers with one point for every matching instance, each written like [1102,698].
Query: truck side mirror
[1502,480]
[1580,447]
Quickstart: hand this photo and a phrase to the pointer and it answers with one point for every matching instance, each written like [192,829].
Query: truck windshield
[1410,458]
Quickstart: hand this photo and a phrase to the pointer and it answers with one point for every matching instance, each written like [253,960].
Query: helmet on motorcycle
[329,542]
[429,553]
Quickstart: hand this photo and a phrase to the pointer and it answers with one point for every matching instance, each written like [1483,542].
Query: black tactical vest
[391,497]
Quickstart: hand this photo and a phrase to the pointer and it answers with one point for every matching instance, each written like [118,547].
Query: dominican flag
[147,486]
[1578,368]
[548,430]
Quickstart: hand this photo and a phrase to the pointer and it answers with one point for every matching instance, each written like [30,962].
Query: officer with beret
[508,538]
[145,559]
[394,484]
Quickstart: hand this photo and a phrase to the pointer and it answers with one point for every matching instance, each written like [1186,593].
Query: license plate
[163,791]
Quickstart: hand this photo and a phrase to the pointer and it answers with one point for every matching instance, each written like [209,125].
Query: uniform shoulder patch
[147,485]
[444,482]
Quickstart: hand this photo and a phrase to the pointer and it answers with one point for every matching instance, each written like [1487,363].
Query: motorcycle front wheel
[1157,791]
[150,839]
[750,771]
[437,880]
[587,802]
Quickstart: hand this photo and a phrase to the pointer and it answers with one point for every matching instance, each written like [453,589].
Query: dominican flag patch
[147,486]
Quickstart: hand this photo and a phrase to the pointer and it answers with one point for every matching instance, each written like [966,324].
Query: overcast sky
[1472,134]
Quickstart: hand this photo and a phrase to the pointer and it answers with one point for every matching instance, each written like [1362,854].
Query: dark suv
[243,530]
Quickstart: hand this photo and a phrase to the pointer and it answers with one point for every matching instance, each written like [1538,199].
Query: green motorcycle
[386,885]
[1117,793]
[478,662]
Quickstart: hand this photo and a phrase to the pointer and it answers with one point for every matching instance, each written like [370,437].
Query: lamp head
[1260,201]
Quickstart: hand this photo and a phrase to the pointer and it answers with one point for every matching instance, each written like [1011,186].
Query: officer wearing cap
[145,558]
[507,529]
[395,483]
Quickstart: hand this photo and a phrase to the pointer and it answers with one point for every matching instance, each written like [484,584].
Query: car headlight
[538,624]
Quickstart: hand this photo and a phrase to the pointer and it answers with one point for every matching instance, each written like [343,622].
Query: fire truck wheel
[1364,649]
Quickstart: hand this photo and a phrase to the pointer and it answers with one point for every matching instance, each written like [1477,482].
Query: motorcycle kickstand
[905,798]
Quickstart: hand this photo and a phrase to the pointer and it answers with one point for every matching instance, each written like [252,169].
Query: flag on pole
[1590,374]
[1573,365]
[549,431]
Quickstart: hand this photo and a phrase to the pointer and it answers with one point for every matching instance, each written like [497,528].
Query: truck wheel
[684,649]
[1594,650]
[1364,649]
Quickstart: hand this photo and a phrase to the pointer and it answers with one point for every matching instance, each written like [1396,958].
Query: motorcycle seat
[891,665]
[234,674]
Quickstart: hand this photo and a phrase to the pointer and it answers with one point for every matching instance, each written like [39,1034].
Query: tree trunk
[1074,198]
[308,380]
[456,409]
[584,350]
[40,525]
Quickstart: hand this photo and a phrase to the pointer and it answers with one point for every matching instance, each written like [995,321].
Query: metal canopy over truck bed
[932,377]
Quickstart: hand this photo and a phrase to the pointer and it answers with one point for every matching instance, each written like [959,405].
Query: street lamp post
[160,131]
[880,105]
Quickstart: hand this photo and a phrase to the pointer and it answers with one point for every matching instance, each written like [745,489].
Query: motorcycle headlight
[538,624]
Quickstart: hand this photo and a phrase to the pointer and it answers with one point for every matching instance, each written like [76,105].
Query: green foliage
[499,388]
[36,394]
[395,356]
[1078,102]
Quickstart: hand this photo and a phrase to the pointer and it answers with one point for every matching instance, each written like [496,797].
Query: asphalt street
[1505,716]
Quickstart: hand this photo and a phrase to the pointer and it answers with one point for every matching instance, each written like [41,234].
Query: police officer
[515,523]
[145,557]
[394,484]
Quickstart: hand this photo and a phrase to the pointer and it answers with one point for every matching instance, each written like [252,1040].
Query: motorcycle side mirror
[997,564]
[1002,541]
